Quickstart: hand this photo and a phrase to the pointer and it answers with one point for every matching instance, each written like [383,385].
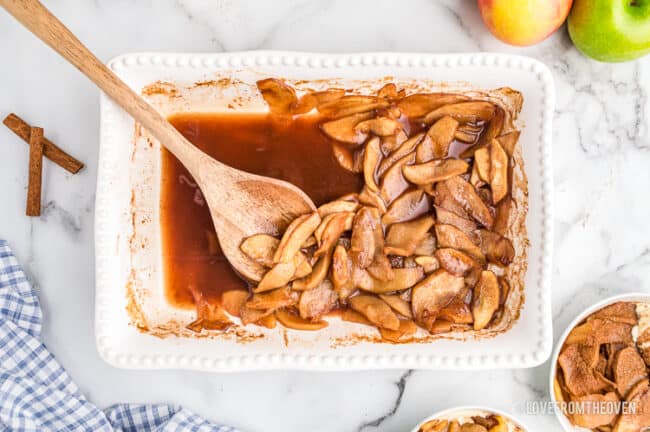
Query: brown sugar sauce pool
[292,150]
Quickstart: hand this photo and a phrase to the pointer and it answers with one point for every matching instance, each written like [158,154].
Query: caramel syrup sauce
[294,150]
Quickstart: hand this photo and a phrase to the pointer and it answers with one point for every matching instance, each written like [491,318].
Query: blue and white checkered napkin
[36,393]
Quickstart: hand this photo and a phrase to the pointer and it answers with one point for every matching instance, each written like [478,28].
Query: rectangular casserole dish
[133,333]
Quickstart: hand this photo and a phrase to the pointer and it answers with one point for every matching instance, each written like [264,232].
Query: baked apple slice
[486,299]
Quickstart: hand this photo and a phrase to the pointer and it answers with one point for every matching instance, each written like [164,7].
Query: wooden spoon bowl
[243,204]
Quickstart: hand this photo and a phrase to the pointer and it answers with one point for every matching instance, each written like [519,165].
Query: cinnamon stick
[35,171]
[50,150]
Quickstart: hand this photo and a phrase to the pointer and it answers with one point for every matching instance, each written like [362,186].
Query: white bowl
[631,297]
[467,411]
[528,343]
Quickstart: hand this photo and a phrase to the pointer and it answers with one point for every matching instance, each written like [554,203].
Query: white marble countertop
[601,169]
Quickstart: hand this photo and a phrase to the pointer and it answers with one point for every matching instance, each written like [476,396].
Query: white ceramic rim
[636,297]
[115,355]
[451,411]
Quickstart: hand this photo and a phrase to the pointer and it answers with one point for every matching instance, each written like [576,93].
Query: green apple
[611,30]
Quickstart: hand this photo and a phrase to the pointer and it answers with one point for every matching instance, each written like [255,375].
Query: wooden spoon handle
[40,21]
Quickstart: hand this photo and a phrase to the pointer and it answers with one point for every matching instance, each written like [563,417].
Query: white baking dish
[125,173]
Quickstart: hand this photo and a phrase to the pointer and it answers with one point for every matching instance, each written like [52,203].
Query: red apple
[523,22]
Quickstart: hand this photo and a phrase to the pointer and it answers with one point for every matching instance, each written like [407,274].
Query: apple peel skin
[611,31]
[523,22]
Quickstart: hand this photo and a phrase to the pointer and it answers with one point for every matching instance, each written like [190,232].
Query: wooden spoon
[241,204]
